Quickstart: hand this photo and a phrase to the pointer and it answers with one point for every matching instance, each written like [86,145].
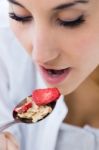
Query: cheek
[88,48]
[82,47]
[23,36]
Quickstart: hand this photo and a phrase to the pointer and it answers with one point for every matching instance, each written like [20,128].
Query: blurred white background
[4,13]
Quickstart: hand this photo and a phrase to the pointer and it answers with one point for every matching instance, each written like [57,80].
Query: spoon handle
[7,125]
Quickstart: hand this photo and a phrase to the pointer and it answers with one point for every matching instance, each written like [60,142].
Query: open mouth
[54,76]
[55,72]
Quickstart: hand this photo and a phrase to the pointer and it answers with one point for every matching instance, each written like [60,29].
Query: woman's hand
[8,142]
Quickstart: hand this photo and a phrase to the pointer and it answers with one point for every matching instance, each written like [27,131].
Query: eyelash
[20,19]
[73,23]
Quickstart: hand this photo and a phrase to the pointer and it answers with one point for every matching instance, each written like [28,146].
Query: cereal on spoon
[38,105]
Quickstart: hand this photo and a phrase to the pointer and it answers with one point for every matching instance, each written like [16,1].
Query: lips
[54,76]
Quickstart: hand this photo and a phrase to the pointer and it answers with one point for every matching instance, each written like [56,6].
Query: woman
[62,37]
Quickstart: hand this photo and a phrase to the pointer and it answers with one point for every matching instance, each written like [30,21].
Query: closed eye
[22,19]
[65,23]
[72,23]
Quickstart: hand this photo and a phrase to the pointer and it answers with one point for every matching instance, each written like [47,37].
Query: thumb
[12,143]
[3,142]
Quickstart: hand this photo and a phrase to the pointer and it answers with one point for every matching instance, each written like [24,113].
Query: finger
[11,140]
[3,142]
[12,146]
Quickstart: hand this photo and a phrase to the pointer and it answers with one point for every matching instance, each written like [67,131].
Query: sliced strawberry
[45,96]
[24,107]
[27,106]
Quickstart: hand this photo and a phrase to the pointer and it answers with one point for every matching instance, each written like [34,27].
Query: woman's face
[62,37]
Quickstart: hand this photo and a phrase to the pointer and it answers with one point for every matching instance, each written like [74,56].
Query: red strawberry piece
[24,107]
[45,96]
[27,105]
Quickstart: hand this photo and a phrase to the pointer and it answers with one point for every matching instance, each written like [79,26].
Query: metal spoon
[23,120]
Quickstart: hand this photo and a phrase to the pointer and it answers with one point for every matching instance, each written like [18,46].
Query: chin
[64,90]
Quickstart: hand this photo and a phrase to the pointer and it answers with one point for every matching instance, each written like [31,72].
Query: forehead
[49,5]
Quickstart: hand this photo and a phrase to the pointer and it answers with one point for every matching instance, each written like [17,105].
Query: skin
[8,142]
[54,46]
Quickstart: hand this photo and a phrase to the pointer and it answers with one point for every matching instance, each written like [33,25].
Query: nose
[44,46]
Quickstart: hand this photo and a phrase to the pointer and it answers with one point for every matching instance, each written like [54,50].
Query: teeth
[55,72]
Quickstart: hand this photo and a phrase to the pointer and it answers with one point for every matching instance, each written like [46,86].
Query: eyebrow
[16,3]
[62,6]
[71,4]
